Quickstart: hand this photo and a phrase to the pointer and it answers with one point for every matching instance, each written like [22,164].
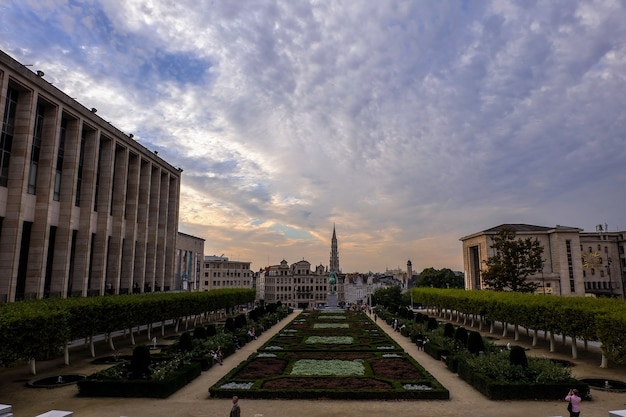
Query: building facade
[575,263]
[220,272]
[297,285]
[189,256]
[84,209]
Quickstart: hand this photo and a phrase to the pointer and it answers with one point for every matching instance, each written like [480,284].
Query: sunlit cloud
[407,125]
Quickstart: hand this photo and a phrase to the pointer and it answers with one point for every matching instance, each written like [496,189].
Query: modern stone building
[575,263]
[84,208]
[220,272]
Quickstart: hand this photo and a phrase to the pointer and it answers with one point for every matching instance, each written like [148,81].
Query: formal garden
[336,354]
[161,374]
[499,372]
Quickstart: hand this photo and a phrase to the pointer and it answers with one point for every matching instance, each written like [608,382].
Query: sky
[404,124]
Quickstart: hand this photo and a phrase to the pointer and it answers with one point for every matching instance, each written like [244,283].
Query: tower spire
[334,253]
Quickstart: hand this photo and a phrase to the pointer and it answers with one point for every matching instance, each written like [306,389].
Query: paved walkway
[193,400]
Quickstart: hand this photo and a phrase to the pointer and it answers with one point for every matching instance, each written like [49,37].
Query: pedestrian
[419,341]
[375,317]
[574,403]
[235,411]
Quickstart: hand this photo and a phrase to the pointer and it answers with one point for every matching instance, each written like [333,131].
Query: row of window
[228,274]
[229,283]
[598,285]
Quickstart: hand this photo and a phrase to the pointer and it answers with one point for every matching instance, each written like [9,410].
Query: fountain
[602,384]
[55,381]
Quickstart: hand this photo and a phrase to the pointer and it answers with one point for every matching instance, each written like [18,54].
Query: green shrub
[448,330]
[460,337]
[140,362]
[432,324]
[229,325]
[475,343]
[200,333]
[517,356]
[185,343]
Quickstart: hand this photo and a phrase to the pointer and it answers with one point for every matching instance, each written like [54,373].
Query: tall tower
[334,253]
[409,272]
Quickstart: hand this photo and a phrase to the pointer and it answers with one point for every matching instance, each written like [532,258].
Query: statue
[332,281]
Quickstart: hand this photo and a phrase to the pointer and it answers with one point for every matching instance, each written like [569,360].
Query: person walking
[574,403]
[235,411]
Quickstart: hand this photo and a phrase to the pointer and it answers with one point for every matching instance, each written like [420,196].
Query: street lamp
[608,269]
[543,279]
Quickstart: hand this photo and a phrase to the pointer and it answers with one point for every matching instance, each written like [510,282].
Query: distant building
[220,272]
[84,208]
[576,263]
[188,269]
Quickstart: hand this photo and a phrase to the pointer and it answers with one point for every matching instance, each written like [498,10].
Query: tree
[514,261]
[442,278]
[391,298]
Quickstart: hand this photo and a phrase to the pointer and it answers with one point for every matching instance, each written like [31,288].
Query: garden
[499,372]
[335,354]
[161,374]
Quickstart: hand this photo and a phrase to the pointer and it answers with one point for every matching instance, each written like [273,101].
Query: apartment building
[220,272]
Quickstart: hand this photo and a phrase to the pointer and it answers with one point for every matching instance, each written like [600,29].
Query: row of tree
[41,329]
[584,318]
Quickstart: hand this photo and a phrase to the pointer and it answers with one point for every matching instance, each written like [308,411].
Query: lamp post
[543,280]
[608,269]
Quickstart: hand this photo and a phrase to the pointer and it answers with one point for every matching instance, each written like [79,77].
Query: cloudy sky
[407,124]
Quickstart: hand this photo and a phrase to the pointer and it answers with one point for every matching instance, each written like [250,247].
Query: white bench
[617,413]
[5,410]
[57,413]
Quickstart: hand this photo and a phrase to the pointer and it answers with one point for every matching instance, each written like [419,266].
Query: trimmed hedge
[93,387]
[512,391]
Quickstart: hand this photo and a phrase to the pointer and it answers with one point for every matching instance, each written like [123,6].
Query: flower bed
[113,382]
[355,362]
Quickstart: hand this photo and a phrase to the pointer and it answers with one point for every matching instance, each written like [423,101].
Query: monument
[331,301]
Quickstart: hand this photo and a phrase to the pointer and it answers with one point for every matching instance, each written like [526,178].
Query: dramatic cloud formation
[407,124]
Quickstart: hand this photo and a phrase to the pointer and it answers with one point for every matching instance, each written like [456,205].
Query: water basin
[605,384]
[55,381]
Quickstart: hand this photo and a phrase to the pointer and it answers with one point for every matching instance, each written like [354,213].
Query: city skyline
[408,125]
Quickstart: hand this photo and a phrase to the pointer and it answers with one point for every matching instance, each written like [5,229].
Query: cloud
[406,124]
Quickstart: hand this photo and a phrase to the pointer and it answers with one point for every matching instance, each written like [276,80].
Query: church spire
[334,253]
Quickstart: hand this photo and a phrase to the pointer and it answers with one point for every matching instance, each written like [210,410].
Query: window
[35,149]
[6,138]
[60,155]
[81,162]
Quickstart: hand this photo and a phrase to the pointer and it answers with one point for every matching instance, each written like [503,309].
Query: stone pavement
[194,401]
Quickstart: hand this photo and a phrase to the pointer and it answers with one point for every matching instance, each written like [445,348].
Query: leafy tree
[514,261]
[442,278]
[391,298]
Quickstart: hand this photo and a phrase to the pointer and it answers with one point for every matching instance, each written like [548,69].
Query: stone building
[189,256]
[84,208]
[575,263]
[220,272]
[296,285]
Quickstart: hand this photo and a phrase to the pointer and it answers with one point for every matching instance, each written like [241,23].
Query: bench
[5,410]
[57,413]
